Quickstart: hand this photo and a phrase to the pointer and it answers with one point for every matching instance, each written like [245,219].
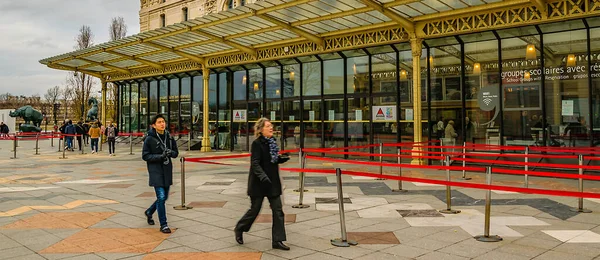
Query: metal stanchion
[52,139]
[59,142]
[82,145]
[448,209]
[526,166]
[14,148]
[580,207]
[130,144]
[464,163]
[64,148]
[486,237]
[301,184]
[380,161]
[182,206]
[442,149]
[37,144]
[399,172]
[302,162]
[343,241]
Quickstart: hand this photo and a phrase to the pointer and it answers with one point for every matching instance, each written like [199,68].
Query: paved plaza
[91,206]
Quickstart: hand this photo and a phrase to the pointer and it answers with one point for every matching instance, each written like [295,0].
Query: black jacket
[160,175]
[263,179]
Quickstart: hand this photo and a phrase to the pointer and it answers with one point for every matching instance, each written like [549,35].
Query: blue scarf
[273,149]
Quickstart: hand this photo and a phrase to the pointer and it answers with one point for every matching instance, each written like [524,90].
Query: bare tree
[80,83]
[66,96]
[117,29]
[52,97]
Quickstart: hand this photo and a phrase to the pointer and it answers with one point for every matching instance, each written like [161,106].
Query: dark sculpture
[29,114]
[92,114]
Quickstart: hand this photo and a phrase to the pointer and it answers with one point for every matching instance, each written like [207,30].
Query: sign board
[311,115]
[292,118]
[567,108]
[488,99]
[239,115]
[410,114]
[384,113]
[273,117]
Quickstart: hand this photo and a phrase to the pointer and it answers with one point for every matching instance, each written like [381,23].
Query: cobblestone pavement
[91,206]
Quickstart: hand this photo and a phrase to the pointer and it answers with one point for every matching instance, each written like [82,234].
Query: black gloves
[264,179]
[283,159]
[167,153]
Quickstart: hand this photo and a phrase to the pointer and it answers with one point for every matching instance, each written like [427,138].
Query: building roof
[272,29]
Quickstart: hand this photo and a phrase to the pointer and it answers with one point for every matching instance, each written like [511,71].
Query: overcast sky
[36,29]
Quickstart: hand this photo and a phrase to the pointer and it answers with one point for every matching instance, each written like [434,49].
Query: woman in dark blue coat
[264,181]
[159,148]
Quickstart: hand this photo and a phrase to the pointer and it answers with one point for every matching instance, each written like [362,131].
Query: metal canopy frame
[277,29]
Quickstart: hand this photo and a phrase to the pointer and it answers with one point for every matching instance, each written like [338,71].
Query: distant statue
[33,118]
[92,114]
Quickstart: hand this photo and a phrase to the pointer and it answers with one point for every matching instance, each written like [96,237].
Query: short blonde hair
[259,125]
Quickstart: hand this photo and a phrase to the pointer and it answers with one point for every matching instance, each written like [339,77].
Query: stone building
[160,13]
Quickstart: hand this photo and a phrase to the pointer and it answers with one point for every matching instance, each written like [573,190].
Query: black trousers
[278,229]
[111,145]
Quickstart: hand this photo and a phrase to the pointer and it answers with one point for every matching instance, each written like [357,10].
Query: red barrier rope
[547,174]
[375,154]
[455,168]
[550,165]
[458,184]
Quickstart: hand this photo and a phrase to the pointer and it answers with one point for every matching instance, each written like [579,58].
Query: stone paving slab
[91,207]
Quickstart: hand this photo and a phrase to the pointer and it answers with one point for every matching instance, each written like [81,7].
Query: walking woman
[264,181]
[159,148]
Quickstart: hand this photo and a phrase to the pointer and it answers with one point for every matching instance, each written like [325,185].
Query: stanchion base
[449,211]
[13,157]
[580,210]
[300,206]
[131,154]
[396,190]
[298,190]
[466,178]
[63,157]
[341,243]
[182,207]
[380,179]
[492,238]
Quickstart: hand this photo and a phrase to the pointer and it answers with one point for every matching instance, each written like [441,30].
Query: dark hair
[155,118]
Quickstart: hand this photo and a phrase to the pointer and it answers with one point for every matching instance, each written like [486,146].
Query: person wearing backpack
[111,134]
[86,130]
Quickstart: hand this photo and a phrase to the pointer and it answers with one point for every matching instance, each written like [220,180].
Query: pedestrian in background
[94,134]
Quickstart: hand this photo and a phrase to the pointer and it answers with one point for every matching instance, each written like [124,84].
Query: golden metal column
[417,50]
[205,114]
[104,103]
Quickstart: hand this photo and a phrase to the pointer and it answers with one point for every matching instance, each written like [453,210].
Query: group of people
[88,134]
[263,181]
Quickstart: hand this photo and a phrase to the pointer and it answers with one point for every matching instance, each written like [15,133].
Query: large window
[566,87]
[521,90]
[291,80]
[273,82]
[143,111]
[311,78]
[333,77]
[174,107]
[197,105]
[186,109]
[153,99]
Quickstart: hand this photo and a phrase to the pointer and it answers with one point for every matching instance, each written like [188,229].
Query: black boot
[280,245]
[149,218]
[239,236]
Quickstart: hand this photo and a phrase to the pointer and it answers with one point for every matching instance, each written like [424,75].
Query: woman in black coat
[159,148]
[264,181]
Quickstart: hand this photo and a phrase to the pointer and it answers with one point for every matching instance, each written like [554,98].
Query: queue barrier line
[455,168]
[456,184]
[374,154]
[549,165]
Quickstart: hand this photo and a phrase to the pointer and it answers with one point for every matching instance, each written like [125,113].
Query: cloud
[36,29]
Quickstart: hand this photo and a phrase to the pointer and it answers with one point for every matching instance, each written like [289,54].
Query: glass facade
[536,85]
